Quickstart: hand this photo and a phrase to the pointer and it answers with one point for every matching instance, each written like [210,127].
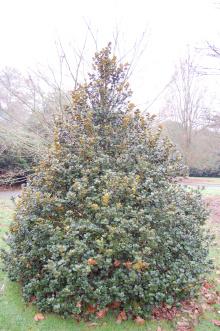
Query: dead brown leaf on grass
[122,316]
[102,313]
[39,317]
[216,322]
[184,325]
[139,321]
[164,312]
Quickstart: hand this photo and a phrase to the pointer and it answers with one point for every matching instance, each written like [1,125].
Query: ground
[15,315]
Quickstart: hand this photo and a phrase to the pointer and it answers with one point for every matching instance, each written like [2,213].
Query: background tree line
[31,103]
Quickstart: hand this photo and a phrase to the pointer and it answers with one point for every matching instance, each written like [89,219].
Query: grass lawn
[15,315]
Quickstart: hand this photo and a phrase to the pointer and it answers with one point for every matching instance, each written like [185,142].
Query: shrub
[103,223]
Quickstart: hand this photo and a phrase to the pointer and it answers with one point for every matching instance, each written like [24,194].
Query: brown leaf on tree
[115,305]
[39,317]
[91,261]
[122,316]
[91,309]
[139,321]
[128,264]
[102,313]
[117,263]
[216,322]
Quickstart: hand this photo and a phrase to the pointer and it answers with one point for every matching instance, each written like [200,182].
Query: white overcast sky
[29,29]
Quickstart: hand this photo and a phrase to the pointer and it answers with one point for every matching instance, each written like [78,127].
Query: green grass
[15,315]
[211,191]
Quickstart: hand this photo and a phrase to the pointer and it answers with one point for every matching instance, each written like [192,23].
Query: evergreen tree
[103,223]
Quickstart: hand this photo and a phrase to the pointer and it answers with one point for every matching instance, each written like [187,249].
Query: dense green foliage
[103,223]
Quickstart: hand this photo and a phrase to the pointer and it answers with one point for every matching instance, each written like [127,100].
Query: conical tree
[103,223]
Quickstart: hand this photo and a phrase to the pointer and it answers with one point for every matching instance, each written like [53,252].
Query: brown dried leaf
[91,261]
[91,309]
[117,263]
[184,325]
[115,305]
[39,317]
[211,299]
[139,321]
[164,312]
[102,313]
[207,285]
[216,322]
[121,317]
[160,329]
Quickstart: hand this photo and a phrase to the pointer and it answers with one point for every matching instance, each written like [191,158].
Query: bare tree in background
[31,103]
[186,102]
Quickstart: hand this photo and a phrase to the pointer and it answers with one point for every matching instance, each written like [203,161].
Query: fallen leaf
[121,317]
[139,321]
[102,313]
[184,325]
[164,312]
[39,317]
[211,299]
[207,285]
[216,322]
